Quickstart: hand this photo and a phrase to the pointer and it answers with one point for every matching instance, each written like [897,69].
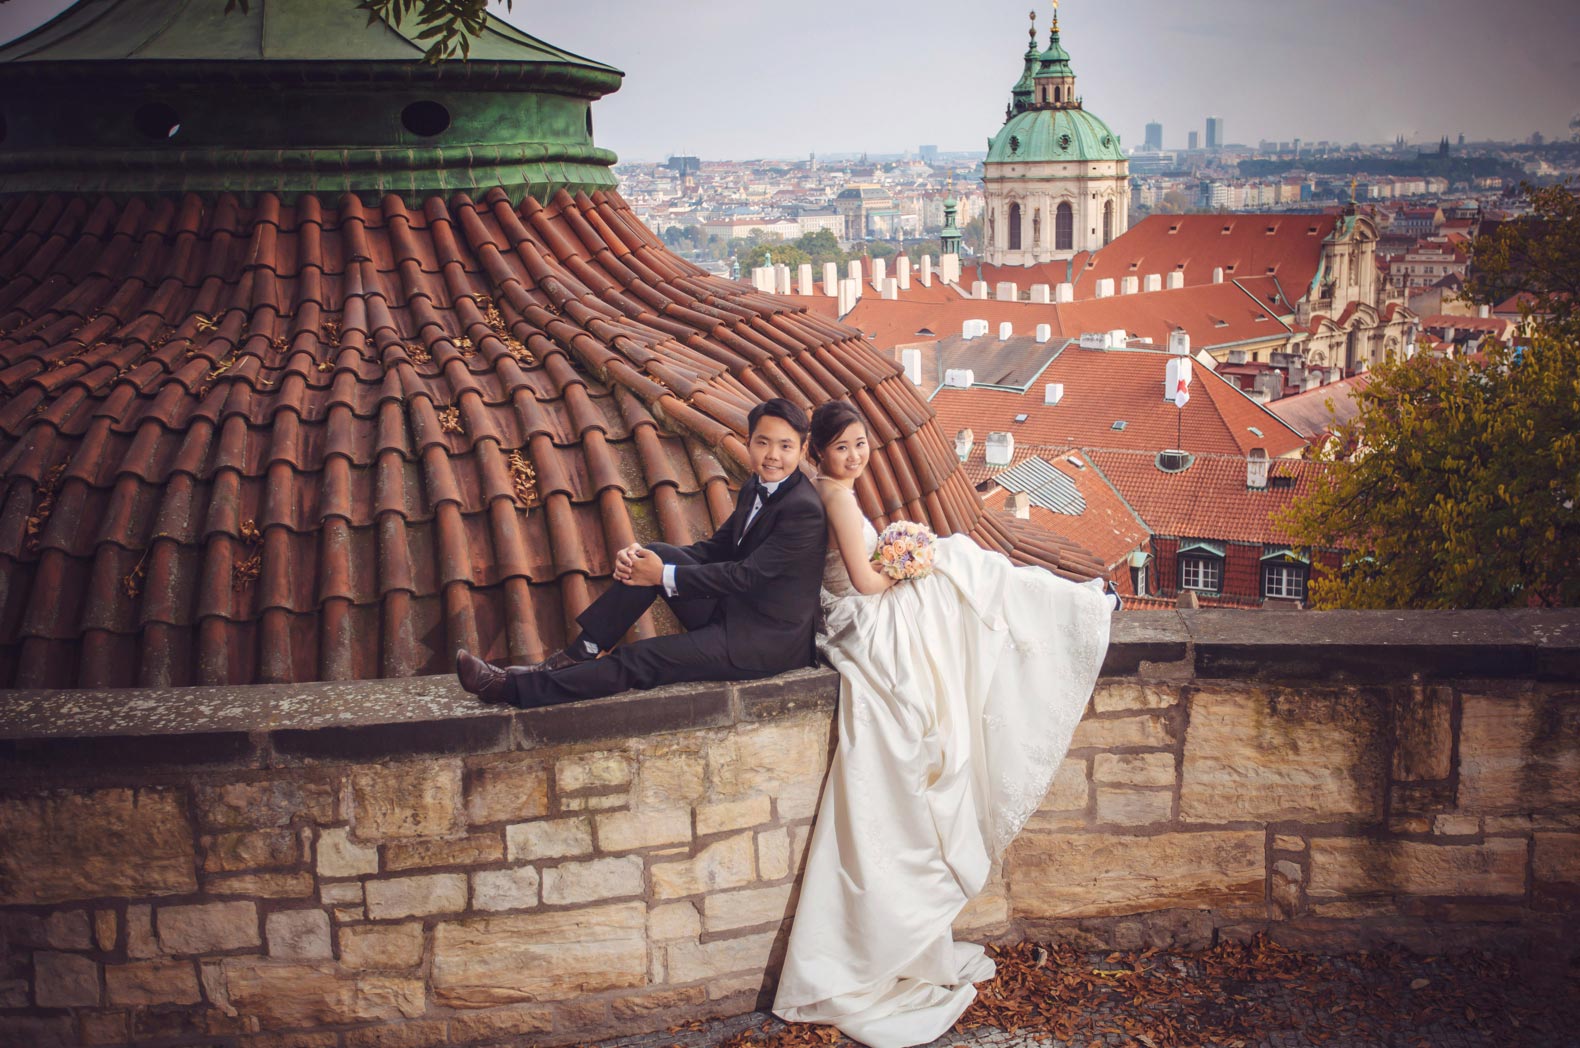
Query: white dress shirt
[764,488]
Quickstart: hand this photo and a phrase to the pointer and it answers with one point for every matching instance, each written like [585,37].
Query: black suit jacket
[768,581]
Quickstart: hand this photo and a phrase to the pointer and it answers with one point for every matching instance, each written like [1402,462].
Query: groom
[748,596]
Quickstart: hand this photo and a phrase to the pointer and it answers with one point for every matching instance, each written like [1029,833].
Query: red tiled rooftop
[1108,527]
[1105,386]
[1210,499]
[1318,410]
[290,441]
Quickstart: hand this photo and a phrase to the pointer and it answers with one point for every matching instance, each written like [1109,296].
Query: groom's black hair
[782,409]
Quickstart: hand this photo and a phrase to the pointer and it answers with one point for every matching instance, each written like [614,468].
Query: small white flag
[1181,393]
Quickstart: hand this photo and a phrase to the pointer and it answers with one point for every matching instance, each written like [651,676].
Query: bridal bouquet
[905,551]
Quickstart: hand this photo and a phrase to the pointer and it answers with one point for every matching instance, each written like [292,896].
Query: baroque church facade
[1056,180]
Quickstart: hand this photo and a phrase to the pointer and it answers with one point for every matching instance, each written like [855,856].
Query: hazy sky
[736,79]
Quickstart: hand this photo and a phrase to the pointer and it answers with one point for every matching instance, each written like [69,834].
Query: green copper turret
[124,97]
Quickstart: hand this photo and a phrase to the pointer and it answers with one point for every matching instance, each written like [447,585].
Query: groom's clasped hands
[636,565]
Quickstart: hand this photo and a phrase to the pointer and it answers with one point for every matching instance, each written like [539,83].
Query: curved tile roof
[289,441]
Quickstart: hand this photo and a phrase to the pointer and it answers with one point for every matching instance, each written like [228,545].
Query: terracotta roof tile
[289,442]
[1106,525]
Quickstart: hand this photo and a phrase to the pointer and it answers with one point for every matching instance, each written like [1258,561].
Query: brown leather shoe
[488,682]
[558,661]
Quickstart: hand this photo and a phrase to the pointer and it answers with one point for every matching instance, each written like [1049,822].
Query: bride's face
[845,457]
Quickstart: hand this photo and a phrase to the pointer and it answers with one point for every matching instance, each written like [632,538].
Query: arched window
[1058,94]
[1108,222]
[1014,227]
[1064,228]
[1036,227]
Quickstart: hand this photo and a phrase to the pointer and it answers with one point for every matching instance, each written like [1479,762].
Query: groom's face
[775,449]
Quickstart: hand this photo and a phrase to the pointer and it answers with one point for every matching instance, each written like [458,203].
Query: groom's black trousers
[697,654]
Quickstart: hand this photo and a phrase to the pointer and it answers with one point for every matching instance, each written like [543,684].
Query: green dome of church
[1044,135]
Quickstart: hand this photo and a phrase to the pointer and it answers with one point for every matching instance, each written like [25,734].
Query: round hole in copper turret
[157,120]
[426,118]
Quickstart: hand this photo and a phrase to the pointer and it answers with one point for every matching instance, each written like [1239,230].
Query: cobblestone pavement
[1294,1008]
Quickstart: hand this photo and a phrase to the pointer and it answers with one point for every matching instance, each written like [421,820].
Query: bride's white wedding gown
[958,696]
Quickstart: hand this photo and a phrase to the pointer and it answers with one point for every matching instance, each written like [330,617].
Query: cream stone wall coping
[274,723]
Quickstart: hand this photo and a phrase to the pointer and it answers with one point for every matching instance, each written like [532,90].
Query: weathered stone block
[785,759]
[1556,865]
[476,850]
[296,885]
[643,1005]
[732,815]
[208,927]
[1275,755]
[381,946]
[675,920]
[1424,734]
[506,790]
[1286,887]
[593,771]
[68,930]
[728,863]
[549,839]
[1104,874]
[416,896]
[269,802]
[290,995]
[1289,843]
[988,913]
[773,854]
[723,911]
[153,982]
[413,799]
[576,882]
[1456,825]
[627,831]
[344,893]
[140,931]
[487,961]
[1134,807]
[106,1027]
[298,934]
[499,1024]
[419,1033]
[64,980]
[1519,754]
[121,842]
[505,889]
[249,849]
[1108,733]
[340,856]
[689,961]
[105,928]
[1113,696]
[1133,769]
[1070,787]
[672,780]
[1344,866]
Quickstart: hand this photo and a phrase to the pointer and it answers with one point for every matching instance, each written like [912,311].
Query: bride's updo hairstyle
[828,422]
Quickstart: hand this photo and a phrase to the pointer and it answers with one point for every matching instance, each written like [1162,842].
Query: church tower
[1056,180]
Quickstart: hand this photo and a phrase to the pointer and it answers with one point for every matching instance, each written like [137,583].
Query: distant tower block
[804,279]
[831,279]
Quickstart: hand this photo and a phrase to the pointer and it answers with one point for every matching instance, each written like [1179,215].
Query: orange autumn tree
[1464,492]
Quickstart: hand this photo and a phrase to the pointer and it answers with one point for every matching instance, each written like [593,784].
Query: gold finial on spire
[1032,32]
[1055,16]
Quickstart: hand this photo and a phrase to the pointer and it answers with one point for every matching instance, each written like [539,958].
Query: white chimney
[911,360]
[848,294]
[763,279]
[1484,312]
[1005,330]
[963,443]
[979,289]
[1044,332]
[1313,380]
[1064,292]
[1256,469]
[1105,287]
[902,272]
[1094,340]
[1152,282]
[960,378]
[1129,285]
[1007,291]
[1041,293]
[927,270]
[880,272]
[1118,338]
[891,288]
[1179,343]
[949,268]
[782,279]
[1019,503]
[853,270]
[1176,279]
[804,279]
[1000,448]
[1053,392]
[1217,275]
[831,279]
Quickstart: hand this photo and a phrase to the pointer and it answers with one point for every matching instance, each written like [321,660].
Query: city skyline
[719,80]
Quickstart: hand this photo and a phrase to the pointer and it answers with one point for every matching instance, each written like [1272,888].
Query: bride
[958,696]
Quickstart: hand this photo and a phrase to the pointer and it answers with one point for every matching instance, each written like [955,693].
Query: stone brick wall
[388,864]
